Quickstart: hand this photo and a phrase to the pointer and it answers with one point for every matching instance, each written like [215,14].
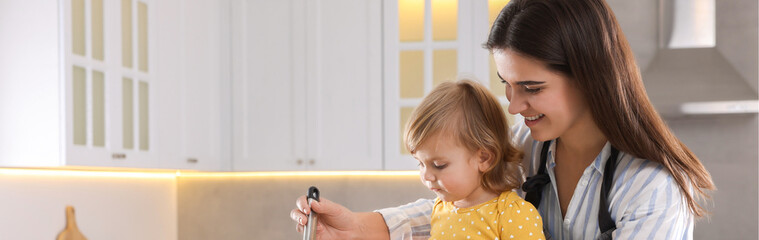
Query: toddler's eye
[441,166]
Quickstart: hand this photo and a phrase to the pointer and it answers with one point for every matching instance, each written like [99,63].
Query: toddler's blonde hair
[471,115]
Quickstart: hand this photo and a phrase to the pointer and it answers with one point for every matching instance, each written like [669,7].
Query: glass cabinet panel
[127,88]
[405,115]
[444,66]
[126,33]
[98,109]
[494,8]
[97,30]
[78,27]
[444,20]
[142,34]
[411,20]
[412,74]
[80,105]
[144,130]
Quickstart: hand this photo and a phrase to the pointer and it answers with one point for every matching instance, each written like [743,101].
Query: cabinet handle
[299,161]
[311,161]
[192,160]
[118,156]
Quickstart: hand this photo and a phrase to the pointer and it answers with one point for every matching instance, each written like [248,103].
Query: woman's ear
[485,159]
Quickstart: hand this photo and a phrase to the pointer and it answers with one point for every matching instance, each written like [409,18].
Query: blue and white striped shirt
[645,201]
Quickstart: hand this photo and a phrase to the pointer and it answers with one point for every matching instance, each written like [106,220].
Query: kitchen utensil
[71,232]
[310,231]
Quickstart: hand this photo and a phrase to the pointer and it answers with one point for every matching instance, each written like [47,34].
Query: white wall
[114,206]
[727,146]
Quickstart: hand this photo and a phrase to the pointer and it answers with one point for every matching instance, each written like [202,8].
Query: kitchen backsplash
[109,205]
[258,207]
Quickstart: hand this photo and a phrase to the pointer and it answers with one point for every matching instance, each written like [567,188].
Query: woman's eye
[531,90]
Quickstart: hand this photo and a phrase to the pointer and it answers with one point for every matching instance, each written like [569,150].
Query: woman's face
[550,105]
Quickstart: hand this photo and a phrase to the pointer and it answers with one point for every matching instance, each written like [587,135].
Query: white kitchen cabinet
[307,85]
[425,43]
[129,83]
[77,83]
[193,52]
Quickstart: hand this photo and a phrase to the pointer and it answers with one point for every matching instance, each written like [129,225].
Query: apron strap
[534,185]
[533,188]
[605,223]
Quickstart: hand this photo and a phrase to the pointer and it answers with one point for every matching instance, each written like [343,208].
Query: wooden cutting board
[71,232]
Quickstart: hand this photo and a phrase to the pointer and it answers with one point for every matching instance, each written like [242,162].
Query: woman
[568,69]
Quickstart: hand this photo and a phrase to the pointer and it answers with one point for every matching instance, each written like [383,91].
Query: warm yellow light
[494,8]
[85,173]
[299,174]
[444,20]
[444,66]
[411,74]
[173,174]
[411,20]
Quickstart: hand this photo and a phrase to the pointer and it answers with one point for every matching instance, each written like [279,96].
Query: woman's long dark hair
[582,40]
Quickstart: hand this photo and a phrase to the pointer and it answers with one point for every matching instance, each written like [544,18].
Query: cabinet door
[191,80]
[426,43]
[30,85]
[201,76]
[88,80]
[169,102]
[268,64]
[344,85]
[109,70]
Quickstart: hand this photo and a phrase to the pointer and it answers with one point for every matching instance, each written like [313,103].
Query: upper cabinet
[193,108]
[88,83]
[307,85]
[78,81]
[329,85]
[228,85]
[427,42]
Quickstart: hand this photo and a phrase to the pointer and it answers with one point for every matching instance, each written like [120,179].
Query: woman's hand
[338,222]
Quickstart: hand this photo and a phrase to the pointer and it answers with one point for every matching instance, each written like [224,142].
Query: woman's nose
[517,104]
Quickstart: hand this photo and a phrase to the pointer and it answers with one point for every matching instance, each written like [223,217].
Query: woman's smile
[532,120]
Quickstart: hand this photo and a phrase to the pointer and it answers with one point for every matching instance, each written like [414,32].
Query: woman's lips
[532,120]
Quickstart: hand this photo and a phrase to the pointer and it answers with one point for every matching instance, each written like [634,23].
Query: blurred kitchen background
[205,119]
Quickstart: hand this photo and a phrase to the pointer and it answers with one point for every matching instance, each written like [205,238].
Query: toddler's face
[450,170]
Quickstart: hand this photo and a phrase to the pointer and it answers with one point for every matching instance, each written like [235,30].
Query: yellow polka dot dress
[507,216]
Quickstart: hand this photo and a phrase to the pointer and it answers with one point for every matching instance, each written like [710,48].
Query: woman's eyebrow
[530,82]
[522,83]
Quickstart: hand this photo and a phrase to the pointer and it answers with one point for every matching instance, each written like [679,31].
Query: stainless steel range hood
[716,74]
[697,81]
